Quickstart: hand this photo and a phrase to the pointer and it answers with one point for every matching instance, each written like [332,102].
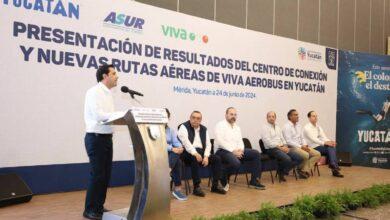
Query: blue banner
[363,102]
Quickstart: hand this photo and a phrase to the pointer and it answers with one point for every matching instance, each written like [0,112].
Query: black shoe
[199,192]
[334,167]
[217,189]
[301,174]
[106,210]
[92,215]
[336,173]
[281,177]
[257,185]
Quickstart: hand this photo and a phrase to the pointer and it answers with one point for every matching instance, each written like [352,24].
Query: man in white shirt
[293,134]
[196,141]
[99,105]
[317,139]
[230,147]
[276,147]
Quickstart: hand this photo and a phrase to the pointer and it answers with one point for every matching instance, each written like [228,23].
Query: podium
[151,195]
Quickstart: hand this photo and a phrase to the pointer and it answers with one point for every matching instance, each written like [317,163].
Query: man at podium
[99,105]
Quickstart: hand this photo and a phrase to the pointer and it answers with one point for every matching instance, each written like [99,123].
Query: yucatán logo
[302,53]
[309,54]
[54,7]
[331,58]
[314,55]
[124,22]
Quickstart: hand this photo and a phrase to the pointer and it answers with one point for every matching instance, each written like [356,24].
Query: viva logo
[180,33]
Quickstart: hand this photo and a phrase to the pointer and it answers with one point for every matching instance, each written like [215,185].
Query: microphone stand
[136,100]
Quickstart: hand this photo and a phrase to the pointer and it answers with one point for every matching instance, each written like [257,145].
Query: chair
[265,157]
[316,167]
[211,152]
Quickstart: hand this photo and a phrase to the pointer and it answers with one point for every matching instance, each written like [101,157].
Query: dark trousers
[214,162]
[232,163]
[99,150]
[286,161]
[175,165]
[330,153]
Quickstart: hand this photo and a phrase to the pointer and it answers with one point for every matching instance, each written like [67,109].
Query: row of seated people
[291,146]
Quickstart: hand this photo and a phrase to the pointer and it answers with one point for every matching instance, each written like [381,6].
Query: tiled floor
[70,205]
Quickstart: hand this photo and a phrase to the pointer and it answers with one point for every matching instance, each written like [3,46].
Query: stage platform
[65,206]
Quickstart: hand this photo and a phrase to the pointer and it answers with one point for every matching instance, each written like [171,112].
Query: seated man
[276,147]
[230,147]
[174,151]
[292,132]
[317,139]
[196,141]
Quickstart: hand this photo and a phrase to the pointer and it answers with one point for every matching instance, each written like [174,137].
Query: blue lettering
[55,7]
[110,18]
[120,19]
[59,9]
[74,11]
[27,4]
[38,6]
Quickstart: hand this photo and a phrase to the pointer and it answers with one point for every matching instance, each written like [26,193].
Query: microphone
[125,89]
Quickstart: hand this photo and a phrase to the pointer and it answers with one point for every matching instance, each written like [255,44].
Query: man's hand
[177,150]
[284,148]
[238,153]
[330,143]
[205,161]
[198,157]
[305,148]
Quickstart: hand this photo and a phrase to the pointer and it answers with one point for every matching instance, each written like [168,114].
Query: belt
[100,135]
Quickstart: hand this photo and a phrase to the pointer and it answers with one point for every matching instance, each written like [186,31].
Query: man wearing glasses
[196,141]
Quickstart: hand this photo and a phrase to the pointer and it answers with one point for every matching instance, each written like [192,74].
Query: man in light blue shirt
[293,134]
[174,152]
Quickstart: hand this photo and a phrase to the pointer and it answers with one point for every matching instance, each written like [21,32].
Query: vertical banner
[363,103]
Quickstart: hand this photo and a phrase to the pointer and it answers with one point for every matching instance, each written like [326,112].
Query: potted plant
[269,212]
[306,206]
[348,200]
[326,205]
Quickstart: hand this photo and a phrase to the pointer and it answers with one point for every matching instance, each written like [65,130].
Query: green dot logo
[192,36]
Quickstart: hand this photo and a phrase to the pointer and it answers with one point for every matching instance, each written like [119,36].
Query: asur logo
[125,21]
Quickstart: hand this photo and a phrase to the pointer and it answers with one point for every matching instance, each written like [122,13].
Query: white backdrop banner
[50,51]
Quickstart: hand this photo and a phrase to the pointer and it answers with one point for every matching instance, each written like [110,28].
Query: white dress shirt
[272,136]
[293,134]
[99,105]
[314,135]
[191,148]
[228,137]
